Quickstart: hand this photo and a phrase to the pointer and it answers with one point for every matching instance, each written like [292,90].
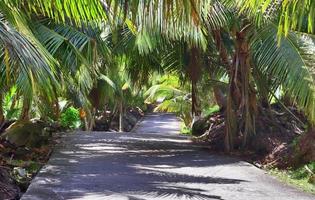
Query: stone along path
[152,162]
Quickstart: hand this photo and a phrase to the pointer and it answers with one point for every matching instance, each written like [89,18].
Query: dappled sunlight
[48,181]
[141,166]
[156,99]
[100,196]
[158,139]
[133,168]
[101,148]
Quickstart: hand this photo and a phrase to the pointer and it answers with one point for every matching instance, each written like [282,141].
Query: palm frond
[293,15]
[162,92]
[80,11]
[28,63]
[291,64]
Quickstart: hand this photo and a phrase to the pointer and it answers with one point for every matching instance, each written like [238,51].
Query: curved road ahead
[153,162]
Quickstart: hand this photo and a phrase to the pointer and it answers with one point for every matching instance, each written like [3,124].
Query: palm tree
[79,51]
[155,36]
[257,59]
[24,62]
[241,67]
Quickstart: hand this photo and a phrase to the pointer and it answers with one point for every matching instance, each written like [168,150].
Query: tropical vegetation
[76,62]
[69,61]
[89,54]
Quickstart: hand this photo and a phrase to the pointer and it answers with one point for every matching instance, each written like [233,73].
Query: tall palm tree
[258,59]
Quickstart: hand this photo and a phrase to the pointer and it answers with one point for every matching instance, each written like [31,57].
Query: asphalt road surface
[152,162]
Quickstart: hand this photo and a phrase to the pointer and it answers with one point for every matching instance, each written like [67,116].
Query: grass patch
[299,178]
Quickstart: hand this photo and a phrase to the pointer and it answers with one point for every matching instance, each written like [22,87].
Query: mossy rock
[26,133]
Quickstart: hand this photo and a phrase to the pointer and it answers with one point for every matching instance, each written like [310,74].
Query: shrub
[70,118]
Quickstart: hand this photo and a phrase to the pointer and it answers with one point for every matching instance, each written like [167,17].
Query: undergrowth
[302,177]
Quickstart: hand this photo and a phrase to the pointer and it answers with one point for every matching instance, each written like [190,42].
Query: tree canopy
[101,55]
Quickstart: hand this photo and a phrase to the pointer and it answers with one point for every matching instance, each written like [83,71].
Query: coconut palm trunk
[194,71]
[121,117]
[194,103]
[224,58]
[241,103]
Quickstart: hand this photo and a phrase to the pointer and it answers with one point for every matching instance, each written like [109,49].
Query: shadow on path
[157,164]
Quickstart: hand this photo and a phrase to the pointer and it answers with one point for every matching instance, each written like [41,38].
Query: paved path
[154,162]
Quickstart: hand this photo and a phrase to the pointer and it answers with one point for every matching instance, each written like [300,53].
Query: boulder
[26,133]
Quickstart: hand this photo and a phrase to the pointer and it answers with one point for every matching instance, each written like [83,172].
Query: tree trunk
[233,94]
[2,119]
[194,72]
[241,95]
[248,104]
[121,115]
[218,94]
[92,119]
[194,104]
[231,119]
[104,115]
[219,97]
[25,113]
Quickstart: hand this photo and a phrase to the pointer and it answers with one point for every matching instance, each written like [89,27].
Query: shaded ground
[153,162]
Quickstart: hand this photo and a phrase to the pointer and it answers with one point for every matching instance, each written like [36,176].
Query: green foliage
[70,118]
[171,97]
[210,110]
[297,177]
[24,171]
[185,129]
[291,64]
[44,43]
[10,111]
[293,15]
[302,172]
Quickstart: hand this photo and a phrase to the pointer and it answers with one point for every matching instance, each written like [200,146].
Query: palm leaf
[28,64]
[291,64]
[293,15]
